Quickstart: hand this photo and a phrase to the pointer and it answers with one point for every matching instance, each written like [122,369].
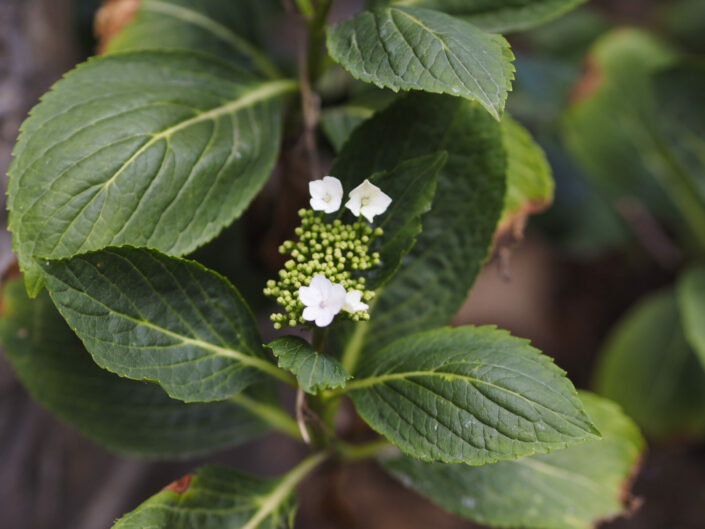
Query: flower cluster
[323,276]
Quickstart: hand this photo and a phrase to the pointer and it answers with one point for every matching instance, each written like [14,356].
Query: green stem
[369,450]
[318,340]
[273,500]
[316,39]
[305,7]
[352,351]
[269,414]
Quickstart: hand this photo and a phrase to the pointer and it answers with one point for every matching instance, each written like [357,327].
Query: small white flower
[353,302]
[326,194]
[369,200]
[323,300]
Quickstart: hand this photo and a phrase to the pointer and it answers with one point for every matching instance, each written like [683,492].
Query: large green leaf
[437,273]
[230,29]
[620,141]
[158,149]
[148,316]
[679,92]
[314,371]
[125,416]
[406,48]
[469,395]
[221,498]
[412,186]
[573,488]
[648,368]
[500,16]
[691,302]
[529,179]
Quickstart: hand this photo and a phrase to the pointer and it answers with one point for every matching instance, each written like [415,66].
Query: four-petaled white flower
[369,200]
[353,302]
[323,300]
[326,194]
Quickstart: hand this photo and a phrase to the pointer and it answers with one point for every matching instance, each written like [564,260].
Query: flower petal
[312,313]
[322,284]
[368,213]
[379,202]
[353,302]
[324,318]
[310,296]
[336,299]
[354,205]
[333,187]
[317,189]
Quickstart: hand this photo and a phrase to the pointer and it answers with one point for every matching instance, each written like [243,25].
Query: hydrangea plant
[144,154]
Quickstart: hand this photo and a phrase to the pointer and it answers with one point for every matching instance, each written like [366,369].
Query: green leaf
[148,316]
[648,368]
[529,178]
[338,123]
[437,273]
[691,302]
[501,16]
[128,417]
[314,371]
[471,395]
[679,91]
[158,149]
[230,30]
[406,48]
[412,186]
[635,159]
[221,498]
[573,488]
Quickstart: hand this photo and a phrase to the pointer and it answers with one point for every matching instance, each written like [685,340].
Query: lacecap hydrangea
[323,279]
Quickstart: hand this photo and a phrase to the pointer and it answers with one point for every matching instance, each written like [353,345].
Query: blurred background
[581,266]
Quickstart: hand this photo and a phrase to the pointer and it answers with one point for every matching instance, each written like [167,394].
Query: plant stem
[352,351]
[305,7]
[318,340]
[270,414]
[316,39]
[369,450]
[274,499]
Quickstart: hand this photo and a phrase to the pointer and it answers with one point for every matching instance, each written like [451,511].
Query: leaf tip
[181,485]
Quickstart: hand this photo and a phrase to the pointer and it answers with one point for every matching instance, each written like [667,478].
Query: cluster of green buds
[324,274]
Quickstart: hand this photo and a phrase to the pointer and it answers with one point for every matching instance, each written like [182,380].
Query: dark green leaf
[406,48]
[412,186]
[620,141]
[529,179]
[229,29]
[437,273]
[573,488]
[128,417]
[501,16]
[338,123]
[148,316]
[314,371]
[217,498]
[691,301]
[158,149]
[469,395]
[679,92]
[648,368]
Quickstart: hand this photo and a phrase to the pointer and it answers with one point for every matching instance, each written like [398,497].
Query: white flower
[353,302]
[326,194]
[323,300]
[369,200]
